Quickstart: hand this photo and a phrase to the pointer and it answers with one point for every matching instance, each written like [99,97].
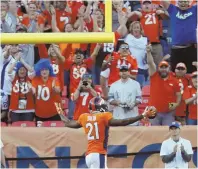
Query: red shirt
[130,61]
[189,92]
[21,91]
[183,83]
[151,25]
[77,71]
[26,20]
[62,18]
[45,97]
[82,103]
[163,92]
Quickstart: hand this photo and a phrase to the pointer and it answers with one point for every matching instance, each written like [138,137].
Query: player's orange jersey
[45,97]
[77,71]
[96,128]
[151,26]
[82,103]
[189,92]
[183,83]
[62,18]
[20,90]
[117,61]
[26,20]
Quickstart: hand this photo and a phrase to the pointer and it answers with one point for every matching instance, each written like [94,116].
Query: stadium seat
[146,90]
[3,124]
[64,92]
[53,124]
[64,103]
[24,124]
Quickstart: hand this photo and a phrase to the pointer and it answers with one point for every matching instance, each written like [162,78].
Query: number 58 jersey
[97,131]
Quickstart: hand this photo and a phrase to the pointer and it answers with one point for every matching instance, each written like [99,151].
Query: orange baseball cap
[181,65]
[163,63]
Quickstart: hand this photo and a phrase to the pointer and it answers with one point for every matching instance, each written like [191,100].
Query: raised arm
[150,61]
[54,24]
[149,112]
[68,123]
[165,4]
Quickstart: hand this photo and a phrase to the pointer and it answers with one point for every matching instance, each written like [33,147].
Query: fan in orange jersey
[56,59]
[62,16]
[183,80]
[46,88]
[79,66]
[83,94]
[21,104]
[96,126]
[190,97]
[151,23]
[33,15]
[111,65]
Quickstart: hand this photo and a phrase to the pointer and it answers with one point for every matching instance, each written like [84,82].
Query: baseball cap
[143,1]
[124,67]
[194,74]
[182,65]
[174,124]
[163,63]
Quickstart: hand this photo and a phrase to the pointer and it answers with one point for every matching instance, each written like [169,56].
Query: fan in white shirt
[176,152]
[137,46]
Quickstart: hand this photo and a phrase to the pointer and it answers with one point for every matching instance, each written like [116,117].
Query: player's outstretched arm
[149,112]
[68,123]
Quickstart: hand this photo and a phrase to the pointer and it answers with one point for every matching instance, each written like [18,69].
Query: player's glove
[150,112]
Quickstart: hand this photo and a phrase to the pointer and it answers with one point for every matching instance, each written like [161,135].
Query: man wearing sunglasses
[183,80]
[111,67]
[165,93]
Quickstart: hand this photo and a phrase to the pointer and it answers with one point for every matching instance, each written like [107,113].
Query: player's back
[97,131]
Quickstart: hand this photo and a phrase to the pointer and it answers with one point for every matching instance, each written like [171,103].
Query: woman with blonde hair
[137,45]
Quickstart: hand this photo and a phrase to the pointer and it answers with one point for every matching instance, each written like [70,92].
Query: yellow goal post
[48,38]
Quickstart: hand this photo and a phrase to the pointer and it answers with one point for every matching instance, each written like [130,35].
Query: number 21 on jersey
[150,19]
[93,133]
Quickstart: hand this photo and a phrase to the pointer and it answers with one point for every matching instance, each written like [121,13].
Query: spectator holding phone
[83,94]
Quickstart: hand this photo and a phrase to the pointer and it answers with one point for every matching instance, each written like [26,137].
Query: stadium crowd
[141,64]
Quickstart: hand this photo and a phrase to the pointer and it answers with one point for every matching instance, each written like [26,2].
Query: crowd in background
[34,76]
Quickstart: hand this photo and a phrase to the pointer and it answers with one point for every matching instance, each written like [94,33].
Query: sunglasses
[180,68]
[124,47]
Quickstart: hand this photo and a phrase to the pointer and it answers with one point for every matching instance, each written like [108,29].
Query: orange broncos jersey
[77,71]
[181,109]
[189,92]
[96,127]
[21,90]
[151,25]
[45,97]
[82,103]
[26,20]
[62,18]
[117,62]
